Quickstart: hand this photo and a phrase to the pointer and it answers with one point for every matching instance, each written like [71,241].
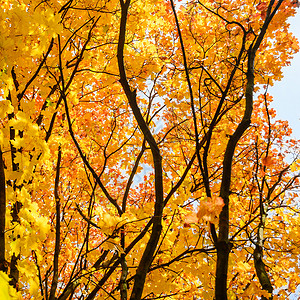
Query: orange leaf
[190,219]
[210,209]
[262,6]
[268,161]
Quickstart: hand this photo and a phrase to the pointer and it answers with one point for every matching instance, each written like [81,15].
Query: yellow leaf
[4,292]
[7,292]
[5,108]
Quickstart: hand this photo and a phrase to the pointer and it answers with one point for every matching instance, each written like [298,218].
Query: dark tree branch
[57,229]
[157,160]
[3,262]
[223,245]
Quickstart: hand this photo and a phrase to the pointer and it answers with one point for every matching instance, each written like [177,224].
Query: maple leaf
[296,3]
[210,209]
[190,218]
[262,7]
[7,292]
[5,108]
[268,161]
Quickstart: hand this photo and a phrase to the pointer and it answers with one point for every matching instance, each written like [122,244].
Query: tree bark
[3,263]
[57,229]
[223,245]
[146,260]
[261,272]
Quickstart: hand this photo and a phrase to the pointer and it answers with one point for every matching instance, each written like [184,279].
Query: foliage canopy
[139,154]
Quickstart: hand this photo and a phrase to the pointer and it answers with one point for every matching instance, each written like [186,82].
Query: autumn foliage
[140,156]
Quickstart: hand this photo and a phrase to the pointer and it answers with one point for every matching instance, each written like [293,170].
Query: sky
[286,93]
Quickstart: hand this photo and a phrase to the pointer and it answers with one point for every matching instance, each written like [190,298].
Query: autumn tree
[140,157]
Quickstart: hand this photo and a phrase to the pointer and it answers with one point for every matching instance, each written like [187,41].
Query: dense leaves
[140,157]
